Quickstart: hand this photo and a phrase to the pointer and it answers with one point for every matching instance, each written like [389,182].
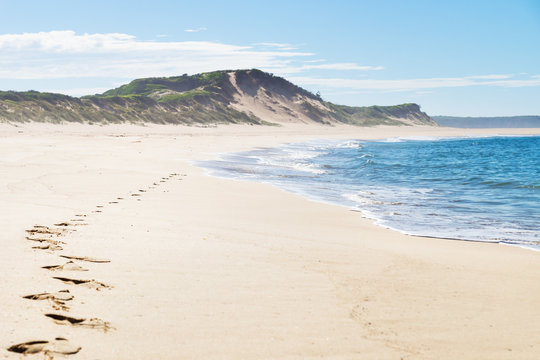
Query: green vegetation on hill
[33,96]
[379,115]
[184,95]
[206,98]
[182,83]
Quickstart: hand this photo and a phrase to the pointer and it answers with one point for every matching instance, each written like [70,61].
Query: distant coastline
[530,121]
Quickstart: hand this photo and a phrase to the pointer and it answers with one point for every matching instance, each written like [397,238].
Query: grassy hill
[228,96]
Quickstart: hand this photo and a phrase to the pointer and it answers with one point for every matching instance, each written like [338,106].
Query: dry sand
[181,265]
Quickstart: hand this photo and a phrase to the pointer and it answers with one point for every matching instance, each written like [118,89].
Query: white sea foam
[395,190]
[354,144]
[291,164]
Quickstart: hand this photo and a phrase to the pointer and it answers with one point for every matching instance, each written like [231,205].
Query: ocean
[468,188]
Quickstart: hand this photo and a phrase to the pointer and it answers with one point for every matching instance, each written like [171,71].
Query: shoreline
[203,267]
[239,159]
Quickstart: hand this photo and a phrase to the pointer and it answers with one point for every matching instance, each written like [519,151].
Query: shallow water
[480,189]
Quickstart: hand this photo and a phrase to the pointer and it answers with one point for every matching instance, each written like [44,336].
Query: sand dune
[115,247]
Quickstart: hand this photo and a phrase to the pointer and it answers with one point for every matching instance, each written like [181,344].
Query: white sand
[206,268]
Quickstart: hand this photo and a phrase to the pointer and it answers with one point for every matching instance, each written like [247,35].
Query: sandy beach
[148,257]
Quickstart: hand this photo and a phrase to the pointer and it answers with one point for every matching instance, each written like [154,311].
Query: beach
[171,263]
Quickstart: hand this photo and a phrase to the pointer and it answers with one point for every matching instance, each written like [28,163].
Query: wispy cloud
[309,65]
[68,55]
[340,66]
[490,77]
[199,29]
[65,54]
[282,46]
[64,41]
[535,81]
[416,84]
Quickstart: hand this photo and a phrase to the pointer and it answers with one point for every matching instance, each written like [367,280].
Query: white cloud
[284,71]
[281,46]
[518,83]
[65,54]
[490,77]
[415,84]
[64,41]
[196,30]
[341,66]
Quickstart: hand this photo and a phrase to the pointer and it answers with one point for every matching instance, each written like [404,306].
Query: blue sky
[463,58]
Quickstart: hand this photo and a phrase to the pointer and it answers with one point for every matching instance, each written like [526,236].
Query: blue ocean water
[479,189]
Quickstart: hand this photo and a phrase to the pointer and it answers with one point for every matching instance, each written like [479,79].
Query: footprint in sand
[93,323]
[135,194]
[85,258]
[48,241]
[66,224]
[46,244]
[92,284]
[62,295]
[44,230]
[69,266]
[59,346]
[113,202]
[57,300]
[50,247]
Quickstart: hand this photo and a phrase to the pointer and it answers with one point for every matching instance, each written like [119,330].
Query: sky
[458,58]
